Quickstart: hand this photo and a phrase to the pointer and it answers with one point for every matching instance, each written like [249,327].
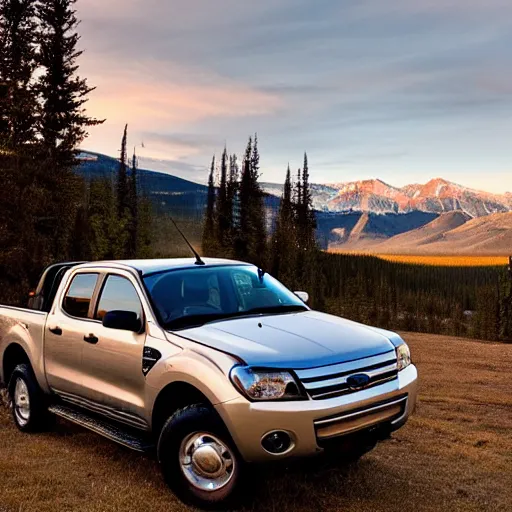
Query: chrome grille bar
[330,381]
[350,366]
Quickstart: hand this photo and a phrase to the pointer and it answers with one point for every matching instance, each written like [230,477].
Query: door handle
[91,339]
[56,330]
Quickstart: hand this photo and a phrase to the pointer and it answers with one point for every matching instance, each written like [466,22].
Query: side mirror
[303,296]
[122,320]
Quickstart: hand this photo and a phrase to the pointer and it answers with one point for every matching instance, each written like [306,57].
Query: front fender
[209,373]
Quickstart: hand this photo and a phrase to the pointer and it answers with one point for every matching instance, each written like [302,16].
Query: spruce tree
[63,120]
[122,189]
[17,65]
[208,240]
[284,237]
[134,207]
[252,236]
[308,215]
[223,208]
[22,203]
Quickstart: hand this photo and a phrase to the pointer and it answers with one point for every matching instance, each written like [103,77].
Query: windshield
[191,297]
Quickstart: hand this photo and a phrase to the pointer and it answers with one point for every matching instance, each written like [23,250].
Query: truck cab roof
[152,266]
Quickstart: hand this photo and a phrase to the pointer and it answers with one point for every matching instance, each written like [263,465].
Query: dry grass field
[455,454]
[447,261]
[436,260]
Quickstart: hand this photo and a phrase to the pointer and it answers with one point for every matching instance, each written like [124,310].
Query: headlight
[403,356]
[265,385]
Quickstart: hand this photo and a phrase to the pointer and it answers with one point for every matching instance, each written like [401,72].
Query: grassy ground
[454,454]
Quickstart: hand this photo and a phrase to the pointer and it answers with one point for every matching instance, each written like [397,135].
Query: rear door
[64,333]
[112,359]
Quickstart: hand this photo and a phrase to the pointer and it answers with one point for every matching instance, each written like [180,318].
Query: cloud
[381,78]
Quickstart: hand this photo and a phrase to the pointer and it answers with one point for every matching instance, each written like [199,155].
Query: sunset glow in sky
[401,90]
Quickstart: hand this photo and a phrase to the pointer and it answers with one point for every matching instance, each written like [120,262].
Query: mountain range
[375,196]
[438,217]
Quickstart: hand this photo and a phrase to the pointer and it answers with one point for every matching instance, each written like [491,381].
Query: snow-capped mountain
[375,196]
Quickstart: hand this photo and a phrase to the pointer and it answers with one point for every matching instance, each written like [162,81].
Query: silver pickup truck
[213,365]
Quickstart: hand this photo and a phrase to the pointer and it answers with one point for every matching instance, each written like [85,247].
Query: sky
[401,90]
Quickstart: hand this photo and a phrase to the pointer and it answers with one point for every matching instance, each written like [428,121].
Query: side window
[78,297]
[118,294]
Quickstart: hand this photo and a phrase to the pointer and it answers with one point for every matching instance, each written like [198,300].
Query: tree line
[47,212]
[238,224]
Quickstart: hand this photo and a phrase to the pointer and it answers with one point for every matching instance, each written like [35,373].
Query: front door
[112,359]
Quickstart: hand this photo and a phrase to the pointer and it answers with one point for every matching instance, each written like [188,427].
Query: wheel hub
[206,461]
[21,402]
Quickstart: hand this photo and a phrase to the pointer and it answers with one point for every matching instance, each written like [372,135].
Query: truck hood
[296,340]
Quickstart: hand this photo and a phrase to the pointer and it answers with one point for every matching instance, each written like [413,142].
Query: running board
[115,433]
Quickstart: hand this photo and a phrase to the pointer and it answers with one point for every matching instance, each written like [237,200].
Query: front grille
[331,381]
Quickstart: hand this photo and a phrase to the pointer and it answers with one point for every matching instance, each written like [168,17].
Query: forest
[50,213]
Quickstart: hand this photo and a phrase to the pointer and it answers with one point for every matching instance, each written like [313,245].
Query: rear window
[78,297]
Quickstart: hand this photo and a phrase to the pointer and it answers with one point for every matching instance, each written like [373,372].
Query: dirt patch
[454,454]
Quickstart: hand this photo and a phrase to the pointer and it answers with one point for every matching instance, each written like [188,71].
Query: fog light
[276,442]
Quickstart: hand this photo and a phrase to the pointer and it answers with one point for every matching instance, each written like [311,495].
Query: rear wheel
[199,460]
[28,402]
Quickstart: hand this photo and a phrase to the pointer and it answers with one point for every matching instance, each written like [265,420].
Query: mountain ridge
[437,195]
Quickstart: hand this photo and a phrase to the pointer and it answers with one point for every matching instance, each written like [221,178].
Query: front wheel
[199,460]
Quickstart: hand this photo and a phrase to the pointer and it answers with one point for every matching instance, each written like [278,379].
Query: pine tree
[63,120]
[308,219]
[122,188]
[208,241]
[22,203]
[123,204]
[223,208]
[17,65]
[251,241]
[284,237]
[134,207]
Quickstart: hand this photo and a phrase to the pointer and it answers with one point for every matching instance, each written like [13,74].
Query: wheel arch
[13,356]
[172,397]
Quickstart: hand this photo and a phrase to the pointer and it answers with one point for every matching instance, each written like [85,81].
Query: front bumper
[310,422]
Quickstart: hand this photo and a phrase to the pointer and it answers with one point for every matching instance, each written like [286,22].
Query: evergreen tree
[122,188]
[17,65]
[134,207]
[208,241]
[233,201]
[242,242]
[307,221]
[123,202]
[22,203]
[223,211]
[284,237]
[62,120]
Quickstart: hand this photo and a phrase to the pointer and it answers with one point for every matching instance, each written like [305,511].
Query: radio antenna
[199,261]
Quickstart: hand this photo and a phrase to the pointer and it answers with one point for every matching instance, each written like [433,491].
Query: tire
[29,409]
[199,460]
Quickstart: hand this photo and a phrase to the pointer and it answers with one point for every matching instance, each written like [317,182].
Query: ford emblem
[359,381]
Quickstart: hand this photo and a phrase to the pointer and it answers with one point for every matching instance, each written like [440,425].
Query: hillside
[451,233]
